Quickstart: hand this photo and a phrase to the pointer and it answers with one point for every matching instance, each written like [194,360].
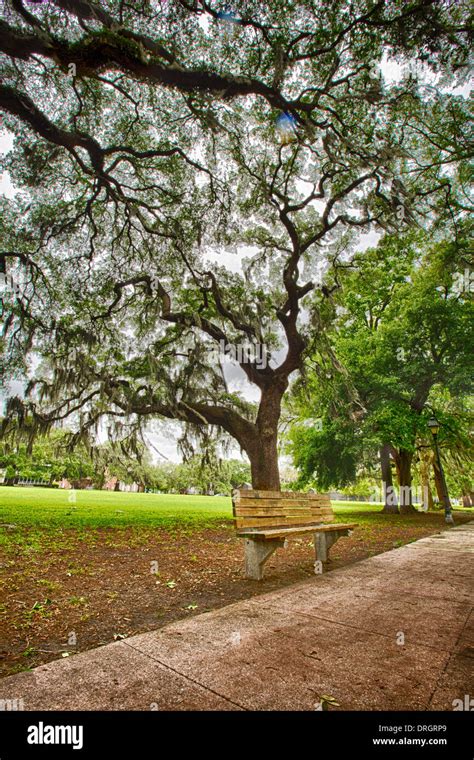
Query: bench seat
[265,519]
[300,529]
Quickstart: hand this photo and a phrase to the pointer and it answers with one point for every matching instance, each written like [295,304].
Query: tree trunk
[426,495]
[438,483]
[264,464]
[389,492]
[404,477]
[262,447]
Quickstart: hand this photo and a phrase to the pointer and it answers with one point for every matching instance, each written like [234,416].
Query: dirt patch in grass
[65,591]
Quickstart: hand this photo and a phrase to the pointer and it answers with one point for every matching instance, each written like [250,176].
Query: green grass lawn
[44,507]
[47,507]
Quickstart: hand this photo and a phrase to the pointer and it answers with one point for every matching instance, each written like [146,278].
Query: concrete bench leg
[324,540]
[257,553]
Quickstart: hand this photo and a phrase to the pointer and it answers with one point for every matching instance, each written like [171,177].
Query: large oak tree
[145,149]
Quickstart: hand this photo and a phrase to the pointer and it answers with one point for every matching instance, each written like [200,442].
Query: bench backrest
[275,509]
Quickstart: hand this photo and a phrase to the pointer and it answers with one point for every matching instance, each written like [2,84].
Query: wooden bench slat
[269,511]
[278,522]
[277,532]
[277,503]
[245,494]
[280,503]
[283,519]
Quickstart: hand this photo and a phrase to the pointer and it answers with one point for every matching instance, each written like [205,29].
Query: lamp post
[433,425]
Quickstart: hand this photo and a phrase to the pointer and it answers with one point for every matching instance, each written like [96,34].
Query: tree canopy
[147,157]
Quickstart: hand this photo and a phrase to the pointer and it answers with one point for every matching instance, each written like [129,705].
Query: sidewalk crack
[187,678]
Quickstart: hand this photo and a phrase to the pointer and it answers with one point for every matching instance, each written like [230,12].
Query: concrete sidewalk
[339,634]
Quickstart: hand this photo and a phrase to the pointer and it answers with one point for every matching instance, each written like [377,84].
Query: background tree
[207,476]
[145,149]
[47,459]
[455,441]
[402,330]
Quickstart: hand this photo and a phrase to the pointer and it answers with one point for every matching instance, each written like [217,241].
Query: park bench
[265,519]
[30,483]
